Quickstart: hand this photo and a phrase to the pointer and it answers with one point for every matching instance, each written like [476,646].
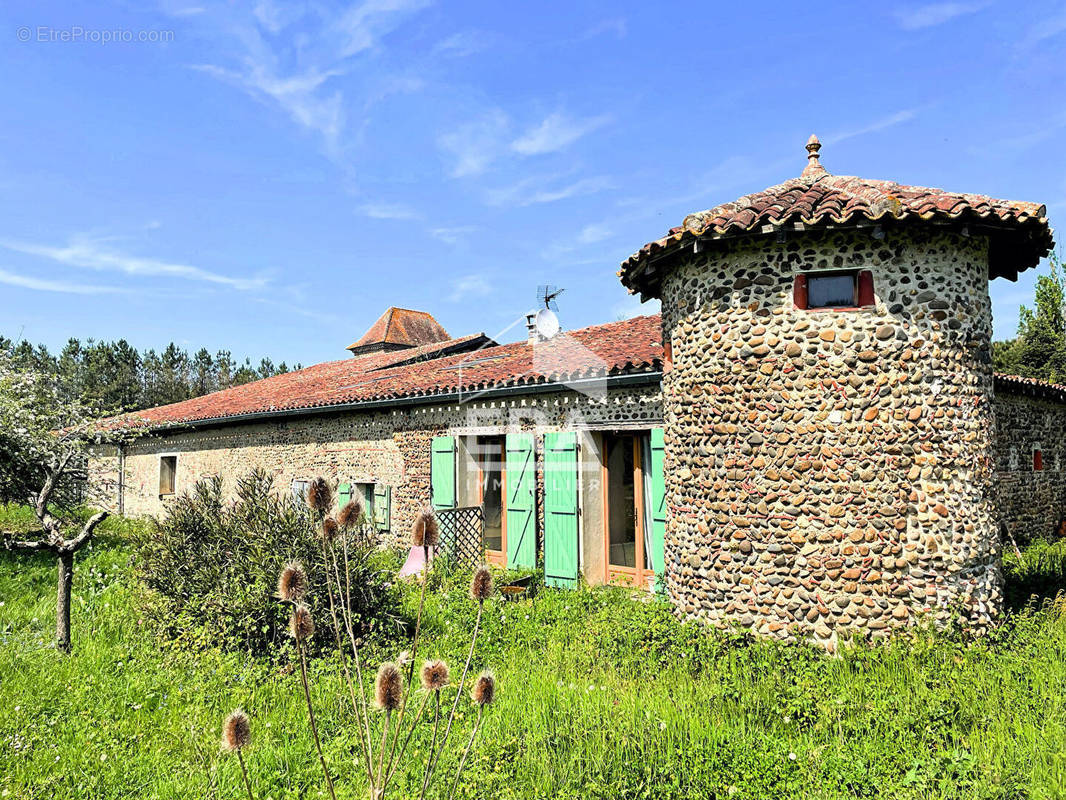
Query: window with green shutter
[382,507]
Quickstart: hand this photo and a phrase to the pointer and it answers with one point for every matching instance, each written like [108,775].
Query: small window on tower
[845,289]
[1038,460]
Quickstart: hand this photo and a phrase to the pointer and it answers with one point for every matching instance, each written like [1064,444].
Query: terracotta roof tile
[1015,384]
[630,346]
[1019,232]
[403,326]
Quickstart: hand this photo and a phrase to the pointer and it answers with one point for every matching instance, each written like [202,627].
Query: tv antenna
[547,295]
[547,324]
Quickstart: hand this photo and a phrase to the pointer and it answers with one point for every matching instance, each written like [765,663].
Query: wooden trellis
[462,533]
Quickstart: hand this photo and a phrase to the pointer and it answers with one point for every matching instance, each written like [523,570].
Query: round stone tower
[828,402]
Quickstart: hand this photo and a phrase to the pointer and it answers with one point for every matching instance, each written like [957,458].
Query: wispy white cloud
[591,234]
[43,285]
[299,95]
[555,132]
[94,254]
[470,286]
[1042,31]
[297,73]
[540,189]
[388,211]
[474,145]
[617,27]
[932,14]
[898,118]
[462,44]
[632,307]
[454,234]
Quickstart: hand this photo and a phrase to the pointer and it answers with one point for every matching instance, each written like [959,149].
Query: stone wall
[389,447]
[830,471]
[1031,503]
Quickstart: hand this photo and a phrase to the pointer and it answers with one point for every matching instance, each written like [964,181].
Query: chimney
[531,328]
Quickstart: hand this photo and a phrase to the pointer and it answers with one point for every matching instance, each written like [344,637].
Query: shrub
[213,566]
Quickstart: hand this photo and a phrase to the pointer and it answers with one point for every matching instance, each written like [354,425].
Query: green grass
[601,696]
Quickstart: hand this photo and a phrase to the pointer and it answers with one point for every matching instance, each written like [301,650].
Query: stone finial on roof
[814,166]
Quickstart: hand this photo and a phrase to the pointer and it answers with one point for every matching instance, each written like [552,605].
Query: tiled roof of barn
[1019,232]
[1015,384]
[403,326]
[628,347]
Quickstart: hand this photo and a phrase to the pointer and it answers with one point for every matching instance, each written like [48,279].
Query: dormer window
[839,289]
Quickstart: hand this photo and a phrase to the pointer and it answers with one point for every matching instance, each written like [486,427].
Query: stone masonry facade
[387,447]
[1032,503]
[831,471]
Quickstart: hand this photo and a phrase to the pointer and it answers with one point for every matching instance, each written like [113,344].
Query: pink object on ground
[416,562]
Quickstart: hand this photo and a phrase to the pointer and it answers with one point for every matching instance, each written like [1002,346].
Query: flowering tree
[44,440]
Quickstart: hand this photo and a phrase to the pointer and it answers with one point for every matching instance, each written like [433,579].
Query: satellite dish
[547,324]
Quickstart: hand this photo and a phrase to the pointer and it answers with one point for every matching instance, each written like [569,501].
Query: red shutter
[1038,460]
[866,288]
[799,291]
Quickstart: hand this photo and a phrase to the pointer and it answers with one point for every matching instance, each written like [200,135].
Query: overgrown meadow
[600,695]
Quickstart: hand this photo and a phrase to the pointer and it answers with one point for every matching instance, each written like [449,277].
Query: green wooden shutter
[382,507]
[442,472]
[658,504]
[560,510]
[521,505]
[344,494]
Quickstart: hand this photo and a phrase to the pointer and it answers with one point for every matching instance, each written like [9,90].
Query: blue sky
[275,175]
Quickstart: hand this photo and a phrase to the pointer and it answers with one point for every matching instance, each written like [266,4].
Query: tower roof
[401,327]
[816,200]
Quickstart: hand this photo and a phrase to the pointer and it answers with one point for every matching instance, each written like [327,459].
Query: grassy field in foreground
[600,696]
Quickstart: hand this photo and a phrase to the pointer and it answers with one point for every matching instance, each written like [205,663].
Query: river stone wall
[1032,503]
[831,471]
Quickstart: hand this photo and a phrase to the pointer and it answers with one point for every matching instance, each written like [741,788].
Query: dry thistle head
[388,687]
[434,675]
[430,529]
[236,731]
[484,691]
[292,582]
[301,625]
[481,584]
[403,659]
[418,531]
[319,495]
[330,529]
[350,515]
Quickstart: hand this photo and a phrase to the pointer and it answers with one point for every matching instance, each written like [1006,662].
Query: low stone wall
[1031,503]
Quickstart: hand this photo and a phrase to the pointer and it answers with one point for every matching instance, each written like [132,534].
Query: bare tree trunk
[66,574]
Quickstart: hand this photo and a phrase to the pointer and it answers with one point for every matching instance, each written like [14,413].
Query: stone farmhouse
[809,441]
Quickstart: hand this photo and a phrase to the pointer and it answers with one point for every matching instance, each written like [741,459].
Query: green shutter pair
[377,500]
[561,509]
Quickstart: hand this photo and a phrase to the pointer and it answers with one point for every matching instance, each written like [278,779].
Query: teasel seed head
[301,625]
[319,495]
[236,731]
[350,515]
[434,675]
[388,687]
[430,529]
[481,584]
[330,529]
[292,582]
[484,691]
[418,531]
